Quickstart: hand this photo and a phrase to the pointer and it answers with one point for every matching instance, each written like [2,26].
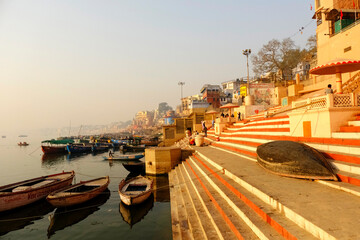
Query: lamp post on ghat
[248,98]
[181,84]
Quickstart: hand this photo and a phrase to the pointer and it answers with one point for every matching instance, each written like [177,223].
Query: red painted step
[349,129]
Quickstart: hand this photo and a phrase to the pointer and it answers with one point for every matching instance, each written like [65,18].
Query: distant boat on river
[23,144]
[22,135]
[25,192]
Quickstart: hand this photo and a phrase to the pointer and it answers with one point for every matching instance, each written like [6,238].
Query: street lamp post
[248,99]
[181,84]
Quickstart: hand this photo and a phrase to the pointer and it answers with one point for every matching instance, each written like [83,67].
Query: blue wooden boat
[98,147]
[126,157]
[133,148]
[78,148]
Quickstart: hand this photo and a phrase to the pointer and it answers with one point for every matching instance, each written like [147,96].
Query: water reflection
[49,160]
[134,214]
[19,218]
[161,188]
[73,156]
[65,217]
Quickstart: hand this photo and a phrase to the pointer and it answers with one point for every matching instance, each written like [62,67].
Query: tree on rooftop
[276,56]
[164,107]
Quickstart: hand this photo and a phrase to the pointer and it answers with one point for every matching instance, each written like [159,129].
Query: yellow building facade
[337,35]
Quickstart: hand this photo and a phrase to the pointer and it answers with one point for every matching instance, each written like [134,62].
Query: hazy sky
[96,62]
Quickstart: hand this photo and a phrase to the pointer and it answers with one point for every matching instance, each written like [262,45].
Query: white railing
[343,100]
[327,101]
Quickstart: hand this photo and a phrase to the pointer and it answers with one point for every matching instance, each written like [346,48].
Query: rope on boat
[34,150]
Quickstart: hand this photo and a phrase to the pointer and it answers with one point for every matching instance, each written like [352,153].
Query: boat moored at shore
[55,146]
[25,192]
[135,190]
[78,193]
[125,157]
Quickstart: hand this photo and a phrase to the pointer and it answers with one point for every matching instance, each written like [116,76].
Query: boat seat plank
[21,188]
[43,183]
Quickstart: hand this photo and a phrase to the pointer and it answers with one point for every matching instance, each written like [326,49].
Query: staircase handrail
[353,80]
[290,109]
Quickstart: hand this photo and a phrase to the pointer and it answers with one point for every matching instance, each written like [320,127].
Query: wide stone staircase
[222,193]
[218,195]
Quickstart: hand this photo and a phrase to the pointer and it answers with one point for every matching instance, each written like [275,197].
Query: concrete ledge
[160,160]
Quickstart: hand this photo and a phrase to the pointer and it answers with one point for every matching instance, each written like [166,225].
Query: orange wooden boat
[23,193]
[135,190]
[78,193]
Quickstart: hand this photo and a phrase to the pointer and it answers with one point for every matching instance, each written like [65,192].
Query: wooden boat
[136,167]
[151,141]
[55,146]
[65,217]
[293,159]
[99,148]
[78,193]
[135,190]
[78,148]
[23,193]
[126,157]
[23,144]
[134,214]
[134,148]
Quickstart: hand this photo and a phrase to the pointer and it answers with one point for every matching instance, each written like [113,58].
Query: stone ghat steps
[305,209]
[350,129]
[347,173]
[205,208]
[246,137]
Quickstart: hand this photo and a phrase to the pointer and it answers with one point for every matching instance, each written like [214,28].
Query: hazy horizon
[97,62]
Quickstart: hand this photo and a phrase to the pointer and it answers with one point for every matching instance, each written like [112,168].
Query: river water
[103,218]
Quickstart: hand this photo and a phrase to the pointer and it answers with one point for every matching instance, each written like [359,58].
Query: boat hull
[62,198]
[135,198]
[293,159]
[53,149]
[138,148]
[10,200]
[125,157]
[73,149]
[136,167]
